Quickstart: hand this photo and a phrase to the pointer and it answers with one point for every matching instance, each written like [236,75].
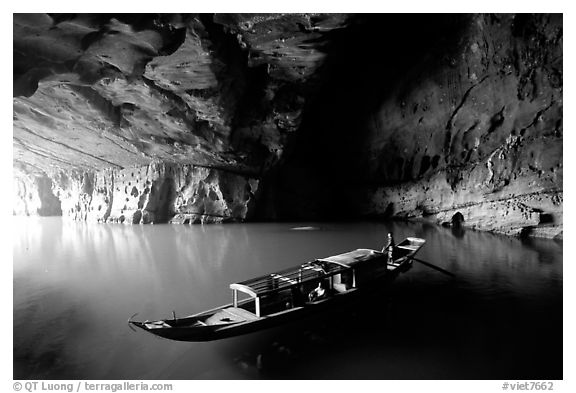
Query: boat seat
[156,325]
[340,287]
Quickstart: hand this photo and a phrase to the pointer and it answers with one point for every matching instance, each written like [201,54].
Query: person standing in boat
[317,293]
[390,246]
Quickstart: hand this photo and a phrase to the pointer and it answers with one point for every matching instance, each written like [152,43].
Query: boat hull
[216,332]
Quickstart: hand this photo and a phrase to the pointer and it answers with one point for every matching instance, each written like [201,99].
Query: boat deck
[230,314]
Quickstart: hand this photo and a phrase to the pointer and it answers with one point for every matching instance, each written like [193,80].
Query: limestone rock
[483,137]
[466,118]
[26,201]
[33,196]
[156,193]
[96,91]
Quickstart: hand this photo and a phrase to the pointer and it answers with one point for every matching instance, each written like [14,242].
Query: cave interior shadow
[365,62]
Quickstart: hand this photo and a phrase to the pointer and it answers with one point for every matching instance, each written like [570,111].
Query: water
[75,285]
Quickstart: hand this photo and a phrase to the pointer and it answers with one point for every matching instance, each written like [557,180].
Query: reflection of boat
[310,288]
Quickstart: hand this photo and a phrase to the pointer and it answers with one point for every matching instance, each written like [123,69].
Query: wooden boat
[280,297]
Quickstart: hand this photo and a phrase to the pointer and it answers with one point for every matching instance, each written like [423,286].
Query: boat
[281,297]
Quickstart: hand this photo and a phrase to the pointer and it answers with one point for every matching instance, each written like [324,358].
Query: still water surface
[76,284]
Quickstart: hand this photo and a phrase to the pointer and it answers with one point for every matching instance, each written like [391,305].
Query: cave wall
[448,118]
[212,98]
[463,115]
[33,196]
[156,193]
[481,136]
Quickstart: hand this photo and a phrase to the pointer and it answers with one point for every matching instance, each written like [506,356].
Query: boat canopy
[353,257]
[318,269]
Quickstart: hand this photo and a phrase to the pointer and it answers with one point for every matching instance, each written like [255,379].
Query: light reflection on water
[76,284]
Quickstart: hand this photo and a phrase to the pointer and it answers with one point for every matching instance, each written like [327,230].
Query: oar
[425,263]
[433,266]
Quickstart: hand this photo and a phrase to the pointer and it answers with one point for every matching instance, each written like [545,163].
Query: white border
[546,6]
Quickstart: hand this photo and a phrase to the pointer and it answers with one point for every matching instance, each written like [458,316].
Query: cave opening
[546,218]
[457,220]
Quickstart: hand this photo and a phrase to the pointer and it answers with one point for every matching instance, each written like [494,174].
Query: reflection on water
[75,285]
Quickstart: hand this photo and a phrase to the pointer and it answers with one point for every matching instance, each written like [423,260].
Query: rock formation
[33,195]
[159,192]
[97,94]
[482,137]
[463,125]
[206,118]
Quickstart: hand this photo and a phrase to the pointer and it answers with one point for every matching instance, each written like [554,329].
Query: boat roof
[351,258]
[314,270]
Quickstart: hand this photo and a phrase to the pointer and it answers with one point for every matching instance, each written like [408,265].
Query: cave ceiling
[114,91]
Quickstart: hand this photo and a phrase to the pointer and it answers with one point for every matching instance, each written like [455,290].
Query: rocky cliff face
[33,195]
[465,128]
[201,118]
[160,192]
[480,140]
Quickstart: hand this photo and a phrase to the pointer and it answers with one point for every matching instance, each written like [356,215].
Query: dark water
[75,285]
